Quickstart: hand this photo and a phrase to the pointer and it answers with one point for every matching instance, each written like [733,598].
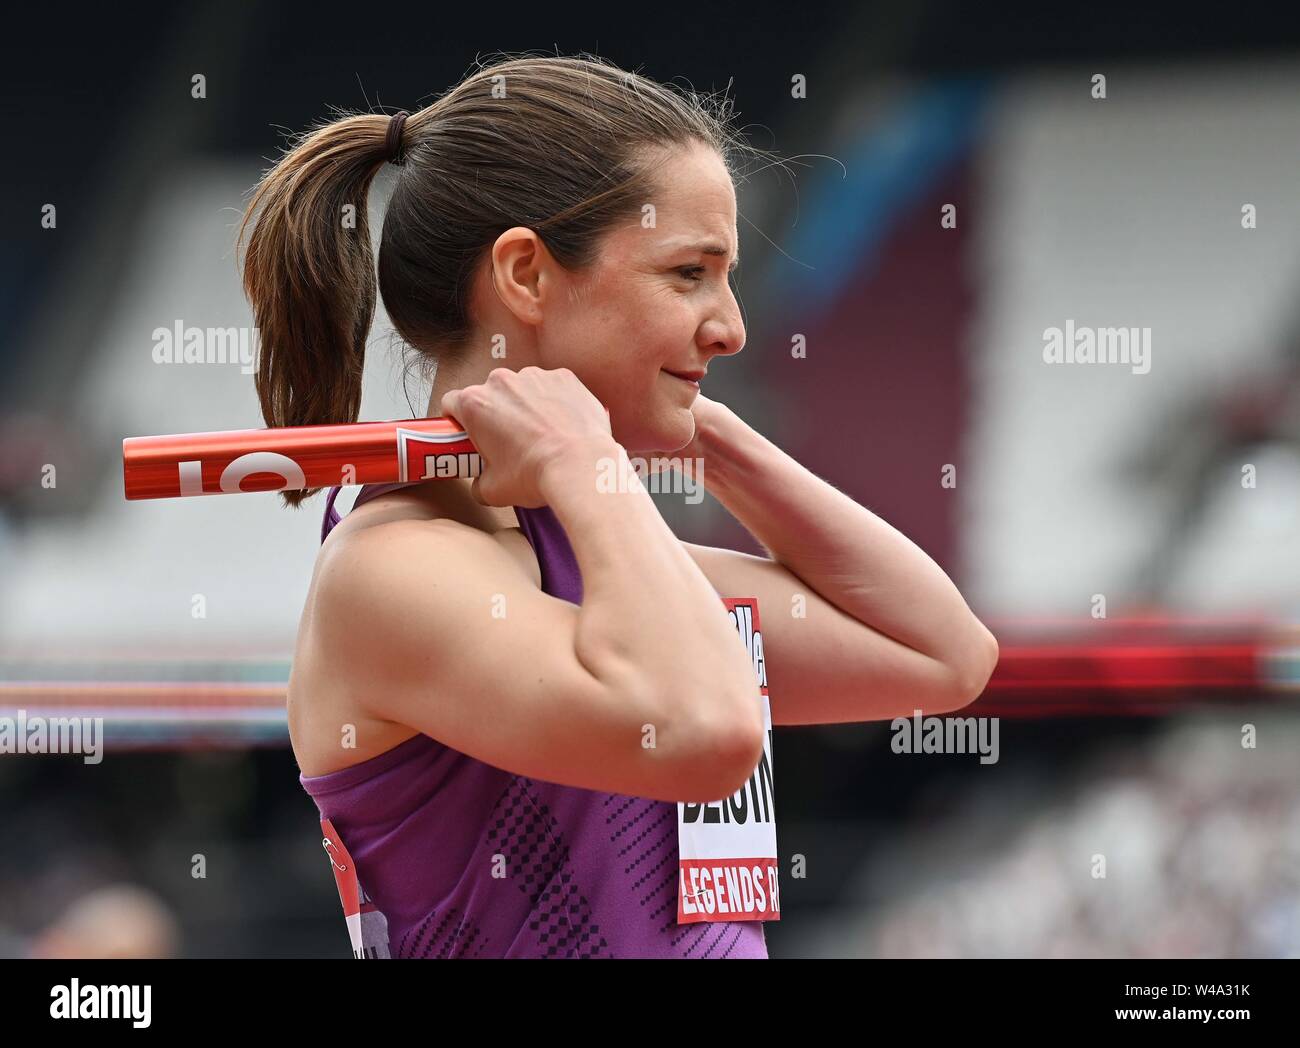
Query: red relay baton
[293,458]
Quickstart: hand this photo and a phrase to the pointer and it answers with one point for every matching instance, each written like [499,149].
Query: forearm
[649,620]
[840,549]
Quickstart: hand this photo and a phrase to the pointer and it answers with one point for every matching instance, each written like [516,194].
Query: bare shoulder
[352,622]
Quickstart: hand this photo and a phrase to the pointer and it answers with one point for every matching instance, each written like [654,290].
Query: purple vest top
[587,874]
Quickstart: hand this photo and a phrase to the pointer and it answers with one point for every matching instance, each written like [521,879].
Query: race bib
[727,848]
[367,926]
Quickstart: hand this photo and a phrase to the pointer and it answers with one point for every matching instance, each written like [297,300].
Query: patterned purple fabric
[577,873]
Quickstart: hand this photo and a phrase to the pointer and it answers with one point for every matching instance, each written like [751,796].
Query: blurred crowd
[115,922]
[1173,841]
[1184,845]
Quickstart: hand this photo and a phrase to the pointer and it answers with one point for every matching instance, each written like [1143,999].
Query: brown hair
[557,144]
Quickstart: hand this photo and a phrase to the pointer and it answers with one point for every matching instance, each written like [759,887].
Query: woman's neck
[457,376]
[445,380]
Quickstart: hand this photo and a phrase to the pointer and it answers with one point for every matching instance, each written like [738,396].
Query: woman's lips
[683,378]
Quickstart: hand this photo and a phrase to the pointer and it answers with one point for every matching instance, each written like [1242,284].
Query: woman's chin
[661,444]
[669,429]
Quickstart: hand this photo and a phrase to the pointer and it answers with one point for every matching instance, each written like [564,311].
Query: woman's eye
[691,272]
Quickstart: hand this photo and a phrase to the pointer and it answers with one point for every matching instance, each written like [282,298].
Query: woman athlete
[502,685]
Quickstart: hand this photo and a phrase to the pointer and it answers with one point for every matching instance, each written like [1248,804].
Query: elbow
[735,739]
[737,752]
[703,749]
[720,759]
[979,670]
[971,675]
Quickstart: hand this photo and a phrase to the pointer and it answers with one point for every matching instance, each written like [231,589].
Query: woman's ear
[520,264]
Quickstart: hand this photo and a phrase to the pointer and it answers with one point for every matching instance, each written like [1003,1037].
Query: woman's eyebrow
[709,248]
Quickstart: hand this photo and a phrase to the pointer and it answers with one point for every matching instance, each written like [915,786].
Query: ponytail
[309,274]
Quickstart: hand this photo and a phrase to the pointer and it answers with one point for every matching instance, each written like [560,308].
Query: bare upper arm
[436,626]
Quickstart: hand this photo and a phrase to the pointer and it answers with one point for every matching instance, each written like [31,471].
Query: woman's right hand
[519,421]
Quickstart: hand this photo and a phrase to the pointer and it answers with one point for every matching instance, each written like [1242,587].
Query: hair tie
[393,139]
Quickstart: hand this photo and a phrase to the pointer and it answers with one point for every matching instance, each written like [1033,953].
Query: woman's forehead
[692,213]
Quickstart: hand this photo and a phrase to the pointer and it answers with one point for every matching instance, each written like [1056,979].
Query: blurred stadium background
[1120,736]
